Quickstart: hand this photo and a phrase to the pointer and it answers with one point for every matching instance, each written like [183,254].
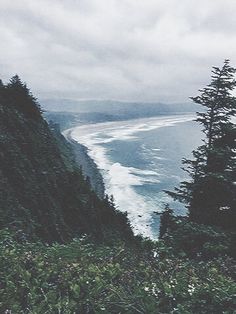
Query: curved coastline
[89,167]
[119,179]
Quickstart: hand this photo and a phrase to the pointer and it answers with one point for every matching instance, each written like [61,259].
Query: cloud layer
[155,50]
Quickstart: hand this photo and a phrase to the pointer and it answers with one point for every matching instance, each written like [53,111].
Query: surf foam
[120,181]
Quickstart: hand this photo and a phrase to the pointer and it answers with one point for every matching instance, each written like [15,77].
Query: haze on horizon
[131,50]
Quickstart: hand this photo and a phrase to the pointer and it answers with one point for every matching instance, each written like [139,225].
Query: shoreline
[121,179]
[89,167]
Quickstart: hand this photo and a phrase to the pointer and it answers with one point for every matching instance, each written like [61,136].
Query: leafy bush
[87,277]
[196,240]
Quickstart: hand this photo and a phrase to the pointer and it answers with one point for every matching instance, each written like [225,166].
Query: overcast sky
[147,50]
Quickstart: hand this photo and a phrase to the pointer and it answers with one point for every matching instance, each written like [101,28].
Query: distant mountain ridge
[69,113]
[114,107]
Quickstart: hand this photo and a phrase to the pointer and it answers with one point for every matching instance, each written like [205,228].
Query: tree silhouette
[210,194]
[21,97]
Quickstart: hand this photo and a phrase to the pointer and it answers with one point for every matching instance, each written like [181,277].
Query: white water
[120,180]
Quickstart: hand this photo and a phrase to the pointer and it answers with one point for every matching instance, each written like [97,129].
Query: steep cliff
[42,191]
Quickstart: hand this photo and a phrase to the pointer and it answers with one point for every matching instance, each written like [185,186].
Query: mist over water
[138,160]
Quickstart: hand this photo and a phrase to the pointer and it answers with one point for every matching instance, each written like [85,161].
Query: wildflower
[155,254]
[224,208]
[191,289]
[155,291]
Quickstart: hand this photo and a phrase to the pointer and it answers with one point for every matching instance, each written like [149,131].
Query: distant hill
[71,112]
[115,107]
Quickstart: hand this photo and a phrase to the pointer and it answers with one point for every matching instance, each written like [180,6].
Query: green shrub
[87,277]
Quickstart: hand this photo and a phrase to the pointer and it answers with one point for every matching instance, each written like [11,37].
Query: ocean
[140,158]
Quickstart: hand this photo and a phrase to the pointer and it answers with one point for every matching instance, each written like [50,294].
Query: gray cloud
[153,50]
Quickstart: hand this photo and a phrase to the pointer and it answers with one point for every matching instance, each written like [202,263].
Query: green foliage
[43,192]
[210,194]
[87,277]
[166,221]
[17,94]
[199,241]
[43,195]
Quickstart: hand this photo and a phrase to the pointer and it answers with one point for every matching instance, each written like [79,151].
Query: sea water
[138,160]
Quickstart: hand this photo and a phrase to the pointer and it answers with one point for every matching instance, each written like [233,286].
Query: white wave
[142,172]
[120,181]
[159,158]
[125,130]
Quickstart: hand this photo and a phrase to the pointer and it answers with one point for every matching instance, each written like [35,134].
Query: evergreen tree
[166,221]
[1,84]
[17,87]
[210,194]
[2,89]
[22,98]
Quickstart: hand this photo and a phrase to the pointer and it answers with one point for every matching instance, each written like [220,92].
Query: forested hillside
[64,250]
[42,191]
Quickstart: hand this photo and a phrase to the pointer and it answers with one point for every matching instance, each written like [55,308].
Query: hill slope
[42,192]
[44,198]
